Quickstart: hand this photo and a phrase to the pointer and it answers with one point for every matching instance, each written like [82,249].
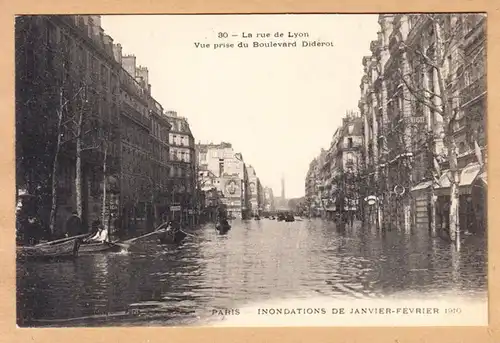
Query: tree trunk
[55,167]
[454,220]
[153,208]
[104,186]
[78,167]
[449,119]
[432,219]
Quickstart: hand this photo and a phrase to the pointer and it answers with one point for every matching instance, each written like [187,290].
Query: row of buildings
[421,149]
[225,177]
[331,184]
[90,136]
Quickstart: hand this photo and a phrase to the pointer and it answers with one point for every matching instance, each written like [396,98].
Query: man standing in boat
[73,225]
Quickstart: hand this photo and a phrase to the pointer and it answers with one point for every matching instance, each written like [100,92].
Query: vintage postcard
[251,170]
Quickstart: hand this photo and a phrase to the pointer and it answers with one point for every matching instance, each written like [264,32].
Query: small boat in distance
[61,250]
[289,217]
[223,227]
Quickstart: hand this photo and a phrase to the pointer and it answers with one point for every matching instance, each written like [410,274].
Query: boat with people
[98,242]
[172,237]
[60,249]
[170,233]
[289,217]
[99,247]
[223,226]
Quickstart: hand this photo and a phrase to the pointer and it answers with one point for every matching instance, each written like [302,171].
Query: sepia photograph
[259,170]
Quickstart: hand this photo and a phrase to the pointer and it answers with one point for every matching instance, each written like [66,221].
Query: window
[349,142]
[350,129]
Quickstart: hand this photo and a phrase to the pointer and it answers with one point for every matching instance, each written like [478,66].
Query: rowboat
[172,238]
[222,228]
[65,249]
[98,247]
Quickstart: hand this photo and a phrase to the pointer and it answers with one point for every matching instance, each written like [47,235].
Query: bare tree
[61,112]
[441,66]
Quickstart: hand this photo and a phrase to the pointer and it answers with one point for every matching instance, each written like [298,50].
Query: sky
[277,106]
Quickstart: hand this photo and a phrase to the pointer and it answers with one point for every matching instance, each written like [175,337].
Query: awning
[445,180]
[469,174]
[421,186]
[467,177]
[482,178]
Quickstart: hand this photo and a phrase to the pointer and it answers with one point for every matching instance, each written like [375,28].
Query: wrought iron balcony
[135,115]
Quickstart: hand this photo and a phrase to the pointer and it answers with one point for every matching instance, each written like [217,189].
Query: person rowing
[171,227]
[102,235]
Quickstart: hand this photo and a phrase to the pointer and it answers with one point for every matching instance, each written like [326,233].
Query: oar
[189,234]
[126,244]
[64,239]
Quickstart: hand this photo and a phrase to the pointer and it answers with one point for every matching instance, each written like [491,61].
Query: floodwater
[254,263]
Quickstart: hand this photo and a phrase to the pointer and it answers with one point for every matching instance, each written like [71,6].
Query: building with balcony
[311,188]
[405,132]
[160,162]
[137,181]
[65,64]
[348,165]
[182,168]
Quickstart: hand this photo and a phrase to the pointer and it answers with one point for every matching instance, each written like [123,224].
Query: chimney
[96,19]
[128,63]
[117,52]
[142,72]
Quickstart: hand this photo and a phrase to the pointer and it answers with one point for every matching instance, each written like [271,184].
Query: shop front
[472,200]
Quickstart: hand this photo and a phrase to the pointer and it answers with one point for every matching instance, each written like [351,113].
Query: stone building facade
[333,182]
[269,204]
[229,167]
[65,65]
[311,189]
[69,60]
[401,104]
[346,170]
[254,189]
[182,169]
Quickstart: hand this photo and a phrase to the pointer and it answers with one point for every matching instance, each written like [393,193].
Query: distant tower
[283,187]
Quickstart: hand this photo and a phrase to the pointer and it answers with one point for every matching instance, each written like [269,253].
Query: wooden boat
[170,238]
[223,228]
[98,247]
[61,250]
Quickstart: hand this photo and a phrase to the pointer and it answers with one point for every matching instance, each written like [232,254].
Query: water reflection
[256,261]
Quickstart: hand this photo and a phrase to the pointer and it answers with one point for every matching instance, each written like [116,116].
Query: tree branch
[92,147]
[421,99]
[427,59]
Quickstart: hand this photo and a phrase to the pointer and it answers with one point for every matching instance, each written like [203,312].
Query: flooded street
[256,262]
